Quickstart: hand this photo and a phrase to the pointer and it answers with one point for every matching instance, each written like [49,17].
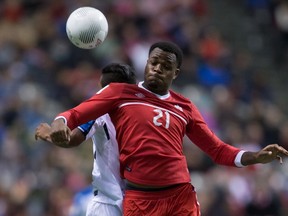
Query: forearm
[266,155]
[77,137]
[60,134]
[249,158]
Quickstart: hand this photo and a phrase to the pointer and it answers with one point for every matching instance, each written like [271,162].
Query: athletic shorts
[180,200]
[96,208]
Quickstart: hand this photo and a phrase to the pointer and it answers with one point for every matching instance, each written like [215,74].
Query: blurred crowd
[42,73]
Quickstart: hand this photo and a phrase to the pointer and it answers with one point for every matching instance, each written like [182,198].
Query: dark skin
[43,132]
[160,71]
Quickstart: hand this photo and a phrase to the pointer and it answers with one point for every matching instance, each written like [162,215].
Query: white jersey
[105,174]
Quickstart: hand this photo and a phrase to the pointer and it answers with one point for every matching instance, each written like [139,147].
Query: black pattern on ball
[88,36]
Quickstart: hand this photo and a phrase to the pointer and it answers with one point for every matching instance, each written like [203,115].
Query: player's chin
[154,83]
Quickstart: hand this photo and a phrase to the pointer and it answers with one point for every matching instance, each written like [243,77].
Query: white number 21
[160,115]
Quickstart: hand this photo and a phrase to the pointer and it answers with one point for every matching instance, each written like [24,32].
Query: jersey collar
[162,97]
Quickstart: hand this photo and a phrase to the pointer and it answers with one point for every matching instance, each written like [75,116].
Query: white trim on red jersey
[149,105]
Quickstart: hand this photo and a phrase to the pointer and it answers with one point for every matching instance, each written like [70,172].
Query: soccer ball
[87,27]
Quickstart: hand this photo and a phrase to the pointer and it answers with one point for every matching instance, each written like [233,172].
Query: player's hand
[43,132]
[270,153]
[60,133]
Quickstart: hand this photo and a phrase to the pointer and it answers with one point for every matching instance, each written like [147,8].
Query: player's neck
[161,96]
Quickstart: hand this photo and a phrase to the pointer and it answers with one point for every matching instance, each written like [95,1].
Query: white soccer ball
[87,27]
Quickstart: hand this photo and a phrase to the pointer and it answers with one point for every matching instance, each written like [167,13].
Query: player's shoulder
[123,85]
[125,88]
[179,97]
[182,101]
[117,88]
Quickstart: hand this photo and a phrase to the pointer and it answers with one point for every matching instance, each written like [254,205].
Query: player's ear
[176,73]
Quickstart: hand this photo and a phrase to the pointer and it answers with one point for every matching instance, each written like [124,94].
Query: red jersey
[150,130]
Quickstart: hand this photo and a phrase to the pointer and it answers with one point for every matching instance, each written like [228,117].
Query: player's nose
[157,68]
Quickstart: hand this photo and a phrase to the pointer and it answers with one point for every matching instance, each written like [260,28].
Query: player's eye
[153,62]
[167,67]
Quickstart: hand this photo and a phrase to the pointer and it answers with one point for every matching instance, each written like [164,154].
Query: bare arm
[266,155]
[43,132]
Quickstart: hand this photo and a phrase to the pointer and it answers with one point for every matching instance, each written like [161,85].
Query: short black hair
[118,72]
[171,47]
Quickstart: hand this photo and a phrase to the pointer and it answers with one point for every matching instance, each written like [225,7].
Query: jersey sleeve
[104,101]
[202,136]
